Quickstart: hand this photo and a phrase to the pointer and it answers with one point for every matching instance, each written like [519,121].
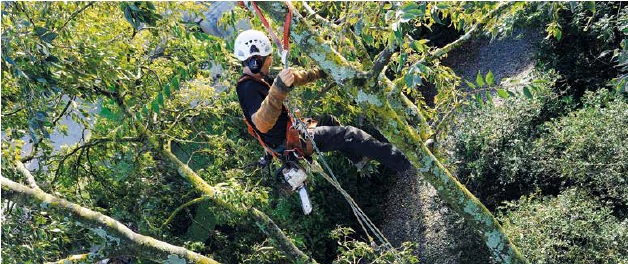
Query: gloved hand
[284,80]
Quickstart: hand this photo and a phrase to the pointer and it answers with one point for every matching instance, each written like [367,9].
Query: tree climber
[262,102]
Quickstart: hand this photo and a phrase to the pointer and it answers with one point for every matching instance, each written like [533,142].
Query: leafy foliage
[83,61]
[515,148]
[585,35]
[492,143]
[572,227]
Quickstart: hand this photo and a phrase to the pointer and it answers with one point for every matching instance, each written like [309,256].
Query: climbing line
[362,218]
[284,48]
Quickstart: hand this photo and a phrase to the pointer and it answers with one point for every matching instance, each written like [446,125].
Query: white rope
[362,218]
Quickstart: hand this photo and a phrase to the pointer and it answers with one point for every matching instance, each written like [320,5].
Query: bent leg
[356,142]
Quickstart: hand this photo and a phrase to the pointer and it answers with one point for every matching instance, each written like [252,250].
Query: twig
[54,123]
[141,245]
[444,50]
[92,142]
[75,14]
[185,205]
[12,113]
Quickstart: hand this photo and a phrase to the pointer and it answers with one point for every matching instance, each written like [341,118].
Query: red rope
[286,27]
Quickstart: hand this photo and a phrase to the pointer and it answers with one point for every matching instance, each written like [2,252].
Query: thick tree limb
[30,179]
[378,105]
[140,245]
[216,194]
[357,42]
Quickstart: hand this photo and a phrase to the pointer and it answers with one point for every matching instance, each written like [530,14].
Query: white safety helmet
[243,46]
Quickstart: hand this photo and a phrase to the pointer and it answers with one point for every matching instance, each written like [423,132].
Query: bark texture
[140,245]
[379,103]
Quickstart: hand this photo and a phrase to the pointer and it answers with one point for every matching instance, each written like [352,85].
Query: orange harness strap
[293,139]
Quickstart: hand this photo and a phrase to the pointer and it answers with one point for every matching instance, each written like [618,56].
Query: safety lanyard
[283,48]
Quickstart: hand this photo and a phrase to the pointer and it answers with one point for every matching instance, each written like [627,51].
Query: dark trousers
[355,143]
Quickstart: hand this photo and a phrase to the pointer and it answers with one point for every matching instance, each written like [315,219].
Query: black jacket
[251,93]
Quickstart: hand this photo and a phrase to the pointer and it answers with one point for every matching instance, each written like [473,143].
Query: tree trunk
[379,102]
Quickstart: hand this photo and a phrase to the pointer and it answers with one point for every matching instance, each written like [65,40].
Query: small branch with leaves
[141,246]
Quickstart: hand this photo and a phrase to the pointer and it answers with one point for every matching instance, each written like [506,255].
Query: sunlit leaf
[502,93]
[470,84]
[490,78]
[479,80]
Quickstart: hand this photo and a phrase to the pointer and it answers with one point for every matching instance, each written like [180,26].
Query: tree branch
[176,211]
[472,31]
[54,123]
[92,142]
[30,179]
[358,44]
[75,14]
[143,246]
[379,104]
[216,194]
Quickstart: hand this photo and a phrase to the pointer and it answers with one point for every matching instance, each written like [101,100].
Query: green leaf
[160,99]
[40,31]
[409,6]
[167,90]
[435,16]
[527,93]
[558,34]
[175,83]
[478,98]
[490,78]
[145,110]
[502,93]
[138,116]
[49,37]
[479,80]
[489,98]
[128,16]
[184,74]
[134,7]
[155,106]
[107,113]
[442,6]
[590,5]
[470,84]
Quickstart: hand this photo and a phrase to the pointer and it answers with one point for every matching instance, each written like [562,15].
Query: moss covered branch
[215,194]
[139,245]
[380,104]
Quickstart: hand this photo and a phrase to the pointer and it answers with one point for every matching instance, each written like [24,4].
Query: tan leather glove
[303,77]
[268,113]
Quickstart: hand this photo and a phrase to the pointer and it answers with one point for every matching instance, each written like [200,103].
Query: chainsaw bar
[305,200]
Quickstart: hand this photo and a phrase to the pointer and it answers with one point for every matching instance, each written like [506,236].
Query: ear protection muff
[255,64]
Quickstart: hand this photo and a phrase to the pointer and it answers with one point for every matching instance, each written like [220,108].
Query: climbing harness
[292,151]
[296,126]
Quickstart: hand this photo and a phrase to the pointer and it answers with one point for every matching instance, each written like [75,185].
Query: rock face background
[414,212]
